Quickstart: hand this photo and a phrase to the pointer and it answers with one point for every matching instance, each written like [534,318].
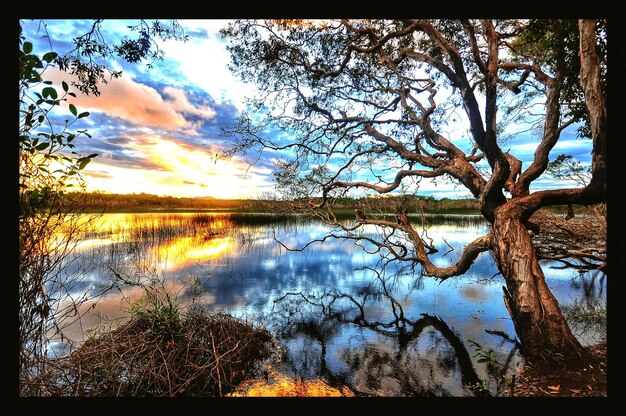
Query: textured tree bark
[590,81]
[544,335]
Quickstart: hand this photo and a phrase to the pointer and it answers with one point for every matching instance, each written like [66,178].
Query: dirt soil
[588,382]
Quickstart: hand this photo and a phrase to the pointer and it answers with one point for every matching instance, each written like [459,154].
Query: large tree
[378,104]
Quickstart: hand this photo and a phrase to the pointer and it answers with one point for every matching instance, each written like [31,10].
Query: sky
[158,130]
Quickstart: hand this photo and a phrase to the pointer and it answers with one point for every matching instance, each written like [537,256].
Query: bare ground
[591,381]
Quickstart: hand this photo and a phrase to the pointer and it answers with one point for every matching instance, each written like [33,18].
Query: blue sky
[157,130]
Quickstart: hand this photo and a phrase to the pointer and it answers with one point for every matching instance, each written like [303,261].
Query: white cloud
[205,63]
[560,145]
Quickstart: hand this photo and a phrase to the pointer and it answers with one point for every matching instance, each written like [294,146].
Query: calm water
[339,313]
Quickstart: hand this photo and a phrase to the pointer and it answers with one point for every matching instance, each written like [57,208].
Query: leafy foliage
[89,60]
[568,168]
[483,355]
[554,44]
[45,164]
[495,369]
[48,165]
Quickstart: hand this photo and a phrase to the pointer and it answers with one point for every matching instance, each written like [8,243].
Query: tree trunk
[590,76]
[544,335]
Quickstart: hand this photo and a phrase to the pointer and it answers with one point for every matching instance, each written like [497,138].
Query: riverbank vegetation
[107,202]
[143,202]
[164,349]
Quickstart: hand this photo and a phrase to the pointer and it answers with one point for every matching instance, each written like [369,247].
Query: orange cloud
[137,103]
[166,166]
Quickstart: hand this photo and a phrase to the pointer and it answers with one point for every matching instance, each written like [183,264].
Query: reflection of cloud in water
[269,264]
[176,254]
[114,308]
[93,242]
[474,292]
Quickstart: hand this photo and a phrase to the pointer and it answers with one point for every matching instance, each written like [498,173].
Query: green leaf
[28,47]
[85,114]
[92,155]
[72,94]
[73,109]
[40,119]
[482,360]
[65,86]
[42,146]
[82,162]
[49,91]
[49,57]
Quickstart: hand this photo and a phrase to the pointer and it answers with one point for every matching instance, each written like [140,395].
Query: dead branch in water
[578,242]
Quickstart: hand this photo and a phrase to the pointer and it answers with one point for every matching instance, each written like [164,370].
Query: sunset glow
[177,169]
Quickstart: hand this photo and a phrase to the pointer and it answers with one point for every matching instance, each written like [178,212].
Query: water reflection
[346,339]
[345,315]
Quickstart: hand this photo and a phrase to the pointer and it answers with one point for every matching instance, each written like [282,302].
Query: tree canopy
[380,105]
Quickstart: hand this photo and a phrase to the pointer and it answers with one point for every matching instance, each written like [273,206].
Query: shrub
[162,351]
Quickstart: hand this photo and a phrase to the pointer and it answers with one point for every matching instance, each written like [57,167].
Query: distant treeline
[97,201]
[101,202]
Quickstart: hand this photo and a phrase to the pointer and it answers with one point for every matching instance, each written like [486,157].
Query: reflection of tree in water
[422,357]
[592,284]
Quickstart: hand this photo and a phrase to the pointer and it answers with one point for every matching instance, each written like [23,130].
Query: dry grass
[161,353]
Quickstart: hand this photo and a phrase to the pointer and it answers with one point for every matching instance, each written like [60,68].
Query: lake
[339,312]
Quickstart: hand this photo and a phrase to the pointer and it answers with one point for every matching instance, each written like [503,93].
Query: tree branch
[551,134]
[394,185]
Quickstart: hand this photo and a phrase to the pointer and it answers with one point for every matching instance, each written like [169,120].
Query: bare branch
[469,28]
[551,134]
[396,182]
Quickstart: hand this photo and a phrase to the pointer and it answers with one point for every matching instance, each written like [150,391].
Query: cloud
[560,145]
[194,183]
[138,103]
[128,100]
[169,166]
[97,174]
[204,60]
[179,102]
